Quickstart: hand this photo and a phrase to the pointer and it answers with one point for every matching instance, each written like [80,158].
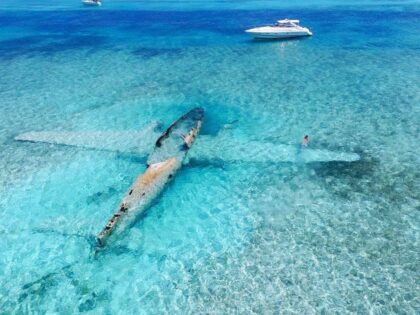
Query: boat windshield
[284,24]
[287,23]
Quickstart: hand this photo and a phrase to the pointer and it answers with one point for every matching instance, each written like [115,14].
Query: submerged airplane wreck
[165,160]
[168,154]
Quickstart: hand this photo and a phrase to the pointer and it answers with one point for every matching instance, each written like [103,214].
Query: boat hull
[280,35]
[166,159]
[279,32]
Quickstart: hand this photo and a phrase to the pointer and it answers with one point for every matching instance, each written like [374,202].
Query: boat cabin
[287,23]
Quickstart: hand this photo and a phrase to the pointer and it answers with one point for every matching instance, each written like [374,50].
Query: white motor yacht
[282,29]
[94,3]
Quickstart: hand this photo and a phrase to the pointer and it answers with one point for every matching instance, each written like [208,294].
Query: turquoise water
[225,237]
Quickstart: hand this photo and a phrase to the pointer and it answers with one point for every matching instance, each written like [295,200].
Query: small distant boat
[281,29]
[92,3]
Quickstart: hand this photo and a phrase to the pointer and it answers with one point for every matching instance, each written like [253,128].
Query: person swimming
[305,141]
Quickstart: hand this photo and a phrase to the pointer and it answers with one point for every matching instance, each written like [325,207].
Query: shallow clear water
[224,237]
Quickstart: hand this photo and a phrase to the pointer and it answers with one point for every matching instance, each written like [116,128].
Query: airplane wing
[231,149]
[131,141]
[223,147]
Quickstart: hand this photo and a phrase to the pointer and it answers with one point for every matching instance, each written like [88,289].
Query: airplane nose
[197,113]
